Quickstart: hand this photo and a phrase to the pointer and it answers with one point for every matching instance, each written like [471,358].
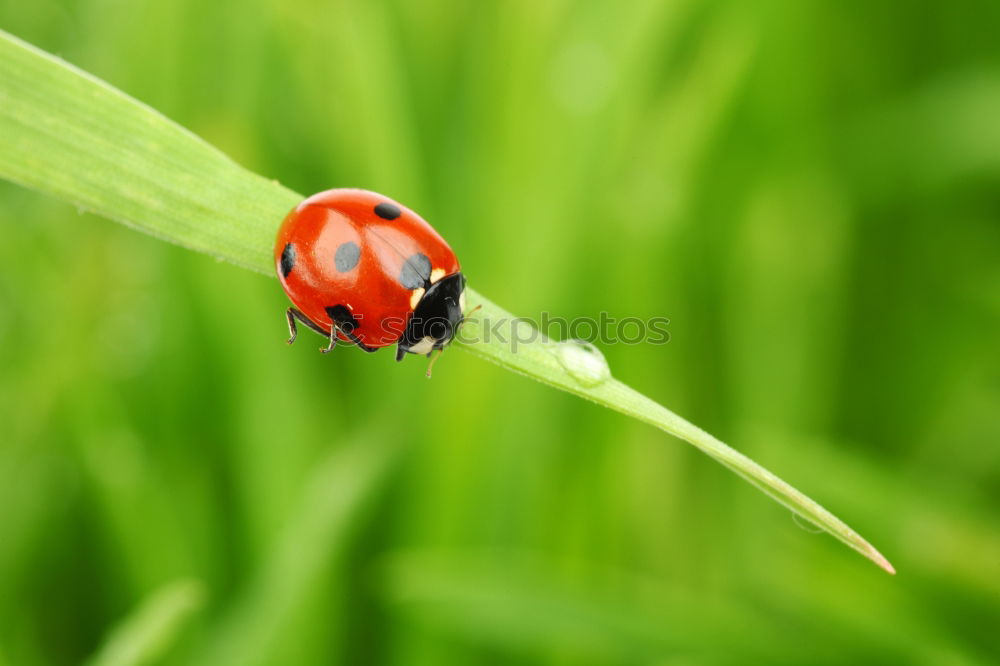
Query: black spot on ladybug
[416,271]
[343,318]
[347,324]
[287,259]
[347,256]
[388,211]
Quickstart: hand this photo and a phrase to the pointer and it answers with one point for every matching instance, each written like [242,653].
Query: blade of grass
[513,600]
[70,135]
[316,537]
[145,636]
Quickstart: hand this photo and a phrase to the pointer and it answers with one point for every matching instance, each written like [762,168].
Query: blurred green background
[809,191]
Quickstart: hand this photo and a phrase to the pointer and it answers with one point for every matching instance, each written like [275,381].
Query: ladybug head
[436,318]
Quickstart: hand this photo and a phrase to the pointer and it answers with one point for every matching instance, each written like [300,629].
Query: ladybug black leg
[333,341]
[433,360]
[292,314]
[292,330]
[357,342]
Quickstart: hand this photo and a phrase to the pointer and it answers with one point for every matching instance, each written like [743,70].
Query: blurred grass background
[809,191]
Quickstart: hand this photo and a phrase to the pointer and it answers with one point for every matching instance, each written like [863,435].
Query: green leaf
[68,134]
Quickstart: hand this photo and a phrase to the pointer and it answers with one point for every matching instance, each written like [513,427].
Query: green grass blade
[511,599]
[71,135]
[316,536]
[67,134]
[145,636]
[581,370]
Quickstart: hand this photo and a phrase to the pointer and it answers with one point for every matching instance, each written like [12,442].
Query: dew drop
[806,525]
[583,361]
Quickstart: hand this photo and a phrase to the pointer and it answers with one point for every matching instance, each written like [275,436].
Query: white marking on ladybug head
[425,345]
[415,297]
[461,302]
[436,274]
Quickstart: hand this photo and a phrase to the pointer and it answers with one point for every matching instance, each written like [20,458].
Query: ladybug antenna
[434,359]
[465,315]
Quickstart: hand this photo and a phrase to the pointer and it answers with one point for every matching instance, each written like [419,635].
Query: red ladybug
[362,268]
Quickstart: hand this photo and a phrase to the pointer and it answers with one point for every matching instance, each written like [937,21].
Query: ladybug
[363,269]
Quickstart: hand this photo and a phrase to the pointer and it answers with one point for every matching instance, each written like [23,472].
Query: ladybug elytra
[363,269]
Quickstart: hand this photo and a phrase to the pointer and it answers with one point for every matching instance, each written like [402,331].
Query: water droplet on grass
[583,361]
[806,525]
